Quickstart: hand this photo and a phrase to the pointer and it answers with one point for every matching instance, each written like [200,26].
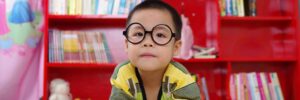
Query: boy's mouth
[147,55]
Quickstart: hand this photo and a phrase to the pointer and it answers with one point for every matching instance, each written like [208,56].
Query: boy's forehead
[152,17]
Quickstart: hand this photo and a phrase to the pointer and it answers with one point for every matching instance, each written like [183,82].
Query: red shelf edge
[87,17]
[260,18]
[262,60]
[193,60]
[81,65]
[236,60]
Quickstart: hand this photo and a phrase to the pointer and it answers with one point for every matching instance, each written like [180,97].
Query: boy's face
[147,55]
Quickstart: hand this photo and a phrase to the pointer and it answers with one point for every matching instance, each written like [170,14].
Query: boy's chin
[147,66]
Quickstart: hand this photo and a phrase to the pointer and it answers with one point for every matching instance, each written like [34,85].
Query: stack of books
[78,47]
[255,86]
[239,8]
[92,7]
[204,53]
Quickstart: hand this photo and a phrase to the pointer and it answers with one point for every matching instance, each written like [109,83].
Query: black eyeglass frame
[125,33]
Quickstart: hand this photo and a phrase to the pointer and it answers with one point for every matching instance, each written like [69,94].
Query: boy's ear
[177,47]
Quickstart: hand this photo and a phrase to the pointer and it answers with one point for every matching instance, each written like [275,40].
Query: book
[239,89]
[271,88]
[234,7]
[116,7]
[205,89]
[255,86]
[92,7]
[238,8]
[260,86]
[265,86]
[228,7]
[276,84]
[246,86]
[252,7]
[241,9]
[232,87]
[222,4]
[110,7]
[102,9]
[78,46]
[72,7]
[122,7]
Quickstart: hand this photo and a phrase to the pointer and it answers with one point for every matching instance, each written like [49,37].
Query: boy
[152,39]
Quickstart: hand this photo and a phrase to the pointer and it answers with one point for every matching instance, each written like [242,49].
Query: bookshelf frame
[217,71]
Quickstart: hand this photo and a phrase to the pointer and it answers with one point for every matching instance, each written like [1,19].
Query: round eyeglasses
[161,34]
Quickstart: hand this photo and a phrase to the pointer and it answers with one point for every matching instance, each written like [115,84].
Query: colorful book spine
[245,88]
[110,7]
[241,9]
[103,4]
[252,86]
[265,86]
[252,7]
[271,88]
[92,7]
[260,86]
[234,7]
[238,86]
[205,89]
[232,87]
[275,81]
[228,8]
[122,7]
[77,46]
[95,7]
[222,4]
[255,86]
[116,7]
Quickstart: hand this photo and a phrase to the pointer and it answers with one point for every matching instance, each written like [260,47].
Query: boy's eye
[160,35]
[139,34]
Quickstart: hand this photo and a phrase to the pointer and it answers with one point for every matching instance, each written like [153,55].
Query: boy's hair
[157,4]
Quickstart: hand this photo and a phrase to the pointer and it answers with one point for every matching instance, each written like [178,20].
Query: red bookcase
[268,42]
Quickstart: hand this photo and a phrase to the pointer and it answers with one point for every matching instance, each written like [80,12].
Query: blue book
[122,7]
[96,5]
[228,8]
[251,84]
[110,7]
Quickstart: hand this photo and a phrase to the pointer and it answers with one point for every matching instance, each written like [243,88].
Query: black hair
[157,4]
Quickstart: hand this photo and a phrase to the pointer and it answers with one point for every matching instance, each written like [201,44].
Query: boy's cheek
[126,46]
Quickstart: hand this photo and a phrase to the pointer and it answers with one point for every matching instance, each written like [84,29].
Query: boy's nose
[148,45]
[148,42]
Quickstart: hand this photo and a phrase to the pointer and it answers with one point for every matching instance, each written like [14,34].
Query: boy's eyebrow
[161,27]
[137,27]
